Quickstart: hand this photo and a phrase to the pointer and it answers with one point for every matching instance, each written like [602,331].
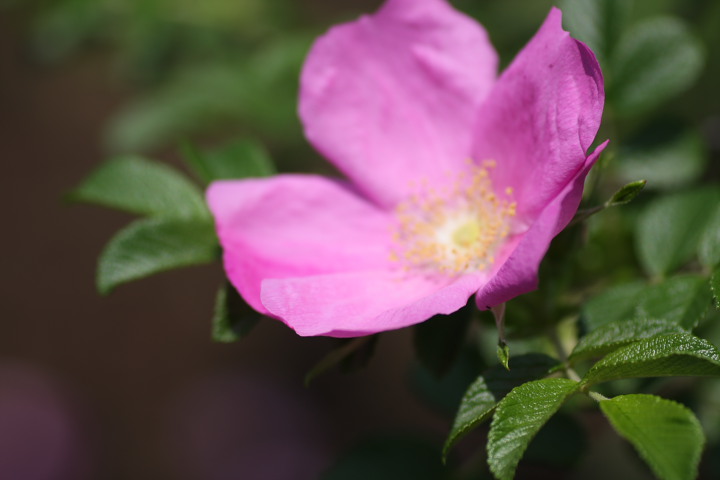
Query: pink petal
[363,303]
[392,97]
[294,226]
[518,274]
[541,117]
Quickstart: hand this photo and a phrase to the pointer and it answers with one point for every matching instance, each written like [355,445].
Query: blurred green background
[130,386]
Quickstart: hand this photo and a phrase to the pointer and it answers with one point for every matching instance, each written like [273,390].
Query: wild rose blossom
[457,179]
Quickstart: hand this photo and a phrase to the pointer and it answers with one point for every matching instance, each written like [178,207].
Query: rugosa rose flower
[457,179]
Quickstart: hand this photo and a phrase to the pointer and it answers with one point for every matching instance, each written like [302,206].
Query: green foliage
[614,304]
[678,354]
[439,339]
[238,159]
[654,60]
[338,355]
[155,245]
[613,335]
[626,194]
[715,286]
[670,228]
[598,23]
[519,416]
[140,186]
[666,434]
[233,319]
[682,299]
[486,391]
[709,248]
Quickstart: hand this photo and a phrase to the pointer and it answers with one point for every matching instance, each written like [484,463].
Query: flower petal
[293,226]
[518,274]
[392,97]
[363,303]
[541,117]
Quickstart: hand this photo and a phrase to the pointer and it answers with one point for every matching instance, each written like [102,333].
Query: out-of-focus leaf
[598,23]
[682,299]
[678,354]
[233,318]
[486,391]
[709,247]
[388,459]
[666,434]
[612,336]
[154,245]
[668,231]
[614,304]
[715,286]
[519,416]
[439,339]
[239,159]
[653,61]
[336,356]
[666,154]
[140,186]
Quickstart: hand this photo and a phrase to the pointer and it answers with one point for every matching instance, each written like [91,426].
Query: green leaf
[519,416]
[439,339]
[140,186]
[336,356]
[654,61]
[667,153]
[678,354]
[666,434]
[233,318]
[503,354]
[598,23]
[612,336]
[709,247]
[626,194]
[154,245]
[239,159]
[682,299]
[715,286]
[668,231]
[614,304]
[486,391]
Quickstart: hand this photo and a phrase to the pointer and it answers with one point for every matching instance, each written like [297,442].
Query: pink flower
[458,179]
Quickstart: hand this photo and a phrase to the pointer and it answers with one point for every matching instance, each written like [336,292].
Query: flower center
[456,229]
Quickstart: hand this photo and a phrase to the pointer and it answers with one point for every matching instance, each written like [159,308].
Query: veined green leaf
[239,159]
[678,354]
[667,435]
[682,299]
[519,416]
[140,186]
[614,304]
[154,245]
[233,318]
[612,336]
[654,60]
[486,391]
[626,194]
[668,231]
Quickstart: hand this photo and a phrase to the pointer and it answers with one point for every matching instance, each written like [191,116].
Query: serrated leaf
[683,300]
[668,231]
[626,194]
[154,245]
[486,391]
[239,159]
[678,354]
[598,23]
[233,318]
[667,153]
[715,286]
[140,186]
[654,61]
[614,304]
[612,336]
[666,434]
[519,416]
[709,247]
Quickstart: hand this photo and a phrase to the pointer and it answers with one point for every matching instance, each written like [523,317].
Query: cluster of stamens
[454,229]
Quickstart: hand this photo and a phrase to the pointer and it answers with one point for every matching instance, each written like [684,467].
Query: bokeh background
[130,386]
